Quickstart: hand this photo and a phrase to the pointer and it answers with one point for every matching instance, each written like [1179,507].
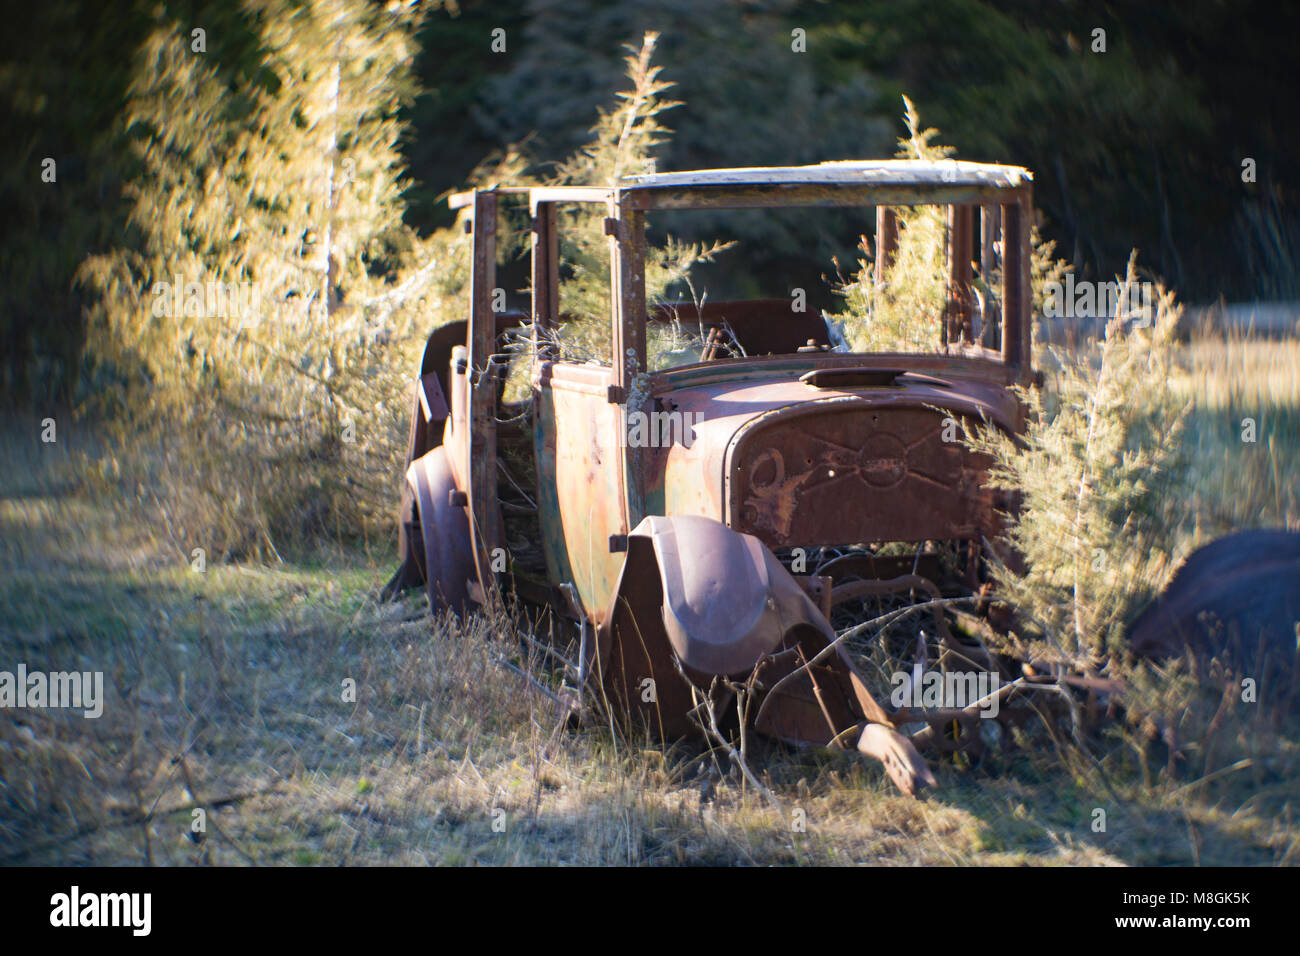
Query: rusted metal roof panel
[873,172]
[848,182]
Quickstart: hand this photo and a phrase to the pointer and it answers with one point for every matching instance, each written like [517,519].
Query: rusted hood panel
[729,402]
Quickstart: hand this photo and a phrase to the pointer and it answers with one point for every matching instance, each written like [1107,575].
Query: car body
[673,554]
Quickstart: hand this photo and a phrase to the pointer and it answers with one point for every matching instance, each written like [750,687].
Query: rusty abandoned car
[716,567]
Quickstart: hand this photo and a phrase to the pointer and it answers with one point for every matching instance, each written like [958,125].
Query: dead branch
[711,729]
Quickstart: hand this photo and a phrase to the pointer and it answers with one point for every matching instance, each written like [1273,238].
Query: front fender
[721,603]
[727,600]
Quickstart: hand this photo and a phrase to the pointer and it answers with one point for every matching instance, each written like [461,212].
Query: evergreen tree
[278,188]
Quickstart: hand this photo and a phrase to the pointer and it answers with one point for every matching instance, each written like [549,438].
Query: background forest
[1140,146]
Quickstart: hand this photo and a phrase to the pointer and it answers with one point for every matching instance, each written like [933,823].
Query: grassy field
[226,691]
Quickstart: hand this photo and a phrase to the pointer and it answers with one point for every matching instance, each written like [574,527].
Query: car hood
[765,435]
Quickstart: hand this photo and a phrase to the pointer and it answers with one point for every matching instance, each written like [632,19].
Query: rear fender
[444,530]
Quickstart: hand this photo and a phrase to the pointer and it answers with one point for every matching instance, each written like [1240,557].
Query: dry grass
[1239,371]
[239,669]
[1242,484]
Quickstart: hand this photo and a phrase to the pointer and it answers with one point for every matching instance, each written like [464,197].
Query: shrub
[624,140]
[904,313]
[1100,473]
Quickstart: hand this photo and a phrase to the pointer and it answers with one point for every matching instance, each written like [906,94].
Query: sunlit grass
[240,668]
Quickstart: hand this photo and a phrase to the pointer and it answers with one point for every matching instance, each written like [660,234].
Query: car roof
[852,172]
[842,182]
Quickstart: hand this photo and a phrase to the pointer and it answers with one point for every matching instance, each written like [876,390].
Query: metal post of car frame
[957,321]
[627,266]
[886,240]
[990,223]
[1015,285]
[1026,284]
[627,262]
[546,293]
[483,512]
